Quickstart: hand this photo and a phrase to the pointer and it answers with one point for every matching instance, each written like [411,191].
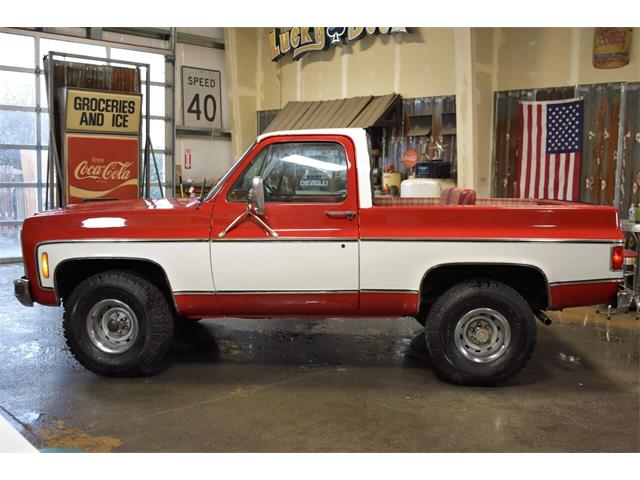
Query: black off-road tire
[154,317]
[450,308]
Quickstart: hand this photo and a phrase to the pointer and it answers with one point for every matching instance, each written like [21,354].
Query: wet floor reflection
[298,342]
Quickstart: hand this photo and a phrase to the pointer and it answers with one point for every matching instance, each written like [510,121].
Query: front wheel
[117,323]
[480,332]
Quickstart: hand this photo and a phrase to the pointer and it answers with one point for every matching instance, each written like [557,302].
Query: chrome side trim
[301,292]
[287,292]
[586,282]
[126,240]
[194,292]
[286,239]
[333,239]
[374,290]
[489,240]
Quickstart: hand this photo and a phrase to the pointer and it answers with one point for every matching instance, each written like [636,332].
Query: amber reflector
[45,264]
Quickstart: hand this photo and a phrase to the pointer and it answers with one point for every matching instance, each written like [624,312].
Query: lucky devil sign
[102,145]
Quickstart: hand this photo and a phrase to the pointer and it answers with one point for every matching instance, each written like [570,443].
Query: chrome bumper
[21,291]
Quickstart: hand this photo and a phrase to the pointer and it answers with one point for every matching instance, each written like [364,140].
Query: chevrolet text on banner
[550,149]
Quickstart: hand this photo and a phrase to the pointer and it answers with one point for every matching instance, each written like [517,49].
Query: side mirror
[255,198]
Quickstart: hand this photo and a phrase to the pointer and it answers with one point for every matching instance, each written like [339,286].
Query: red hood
[122,205]
[122,219]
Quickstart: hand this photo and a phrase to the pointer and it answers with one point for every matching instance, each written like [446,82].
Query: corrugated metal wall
[629,147]
[612,117]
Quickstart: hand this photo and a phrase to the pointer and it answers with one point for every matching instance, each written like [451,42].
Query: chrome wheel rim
[112,326]
[482,335]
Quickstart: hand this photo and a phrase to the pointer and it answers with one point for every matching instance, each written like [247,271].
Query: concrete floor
[320,385]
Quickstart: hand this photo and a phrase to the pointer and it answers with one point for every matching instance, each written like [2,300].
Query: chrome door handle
[340,214]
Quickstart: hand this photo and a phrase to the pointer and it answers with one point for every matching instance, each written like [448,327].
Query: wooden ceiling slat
[351,109]
[375,111]
[308,120]
[361,112]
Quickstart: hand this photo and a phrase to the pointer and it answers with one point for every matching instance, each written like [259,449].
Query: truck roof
[349,132]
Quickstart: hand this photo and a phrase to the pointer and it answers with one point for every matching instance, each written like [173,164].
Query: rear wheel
[480,332]
[117,323]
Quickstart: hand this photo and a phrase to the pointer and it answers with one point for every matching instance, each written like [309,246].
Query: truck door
[308,265]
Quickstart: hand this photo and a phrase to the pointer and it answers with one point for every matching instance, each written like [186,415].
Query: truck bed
[388,201]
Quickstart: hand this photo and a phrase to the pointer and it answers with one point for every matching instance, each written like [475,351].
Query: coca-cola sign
[103,171]
[101,166]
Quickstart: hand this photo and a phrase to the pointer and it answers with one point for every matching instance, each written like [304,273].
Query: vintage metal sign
[101,166]
[101,145]
[299,41]
[103,112]
[201,98]
[611,47]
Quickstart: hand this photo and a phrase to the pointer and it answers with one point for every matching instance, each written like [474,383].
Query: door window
[297,172]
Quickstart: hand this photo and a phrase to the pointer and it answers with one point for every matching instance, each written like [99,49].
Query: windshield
[216,188]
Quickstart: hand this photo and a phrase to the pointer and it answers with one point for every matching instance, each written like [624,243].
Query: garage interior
[325,385]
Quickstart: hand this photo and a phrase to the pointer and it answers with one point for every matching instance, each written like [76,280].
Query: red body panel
[579,294]
[287,304]
[290,304]
[198,305]
[466,222]
[389,303]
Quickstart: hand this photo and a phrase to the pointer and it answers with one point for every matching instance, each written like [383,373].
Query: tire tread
[433,326]
[158,312]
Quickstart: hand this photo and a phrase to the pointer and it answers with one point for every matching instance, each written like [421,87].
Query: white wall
[211,157]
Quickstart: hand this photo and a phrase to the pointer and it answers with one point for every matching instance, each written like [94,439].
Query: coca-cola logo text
[98,170]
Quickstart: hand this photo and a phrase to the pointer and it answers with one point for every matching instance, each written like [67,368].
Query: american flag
[549,150]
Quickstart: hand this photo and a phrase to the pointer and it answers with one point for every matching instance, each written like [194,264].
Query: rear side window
[300,172]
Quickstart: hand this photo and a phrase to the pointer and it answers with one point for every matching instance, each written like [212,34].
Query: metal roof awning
[356,112]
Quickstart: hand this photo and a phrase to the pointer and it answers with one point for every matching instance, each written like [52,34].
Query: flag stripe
[576,177]
[542,149]
[533,158]
[562,180]
[552,175]
[527,190]
[572,159]
[556,180]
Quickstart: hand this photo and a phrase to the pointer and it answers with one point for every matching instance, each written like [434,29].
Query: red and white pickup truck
[293,229]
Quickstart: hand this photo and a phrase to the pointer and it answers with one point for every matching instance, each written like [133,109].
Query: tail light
[617,257]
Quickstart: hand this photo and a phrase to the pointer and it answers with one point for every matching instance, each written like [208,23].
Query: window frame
[326,200]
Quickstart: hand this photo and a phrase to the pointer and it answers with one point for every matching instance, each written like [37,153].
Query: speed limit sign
[201,98]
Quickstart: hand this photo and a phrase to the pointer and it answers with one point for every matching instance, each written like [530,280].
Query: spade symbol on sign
[335,33]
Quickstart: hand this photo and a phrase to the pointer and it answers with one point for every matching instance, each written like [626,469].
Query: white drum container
[424,187]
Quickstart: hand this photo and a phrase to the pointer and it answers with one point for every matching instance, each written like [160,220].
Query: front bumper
[21,291]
